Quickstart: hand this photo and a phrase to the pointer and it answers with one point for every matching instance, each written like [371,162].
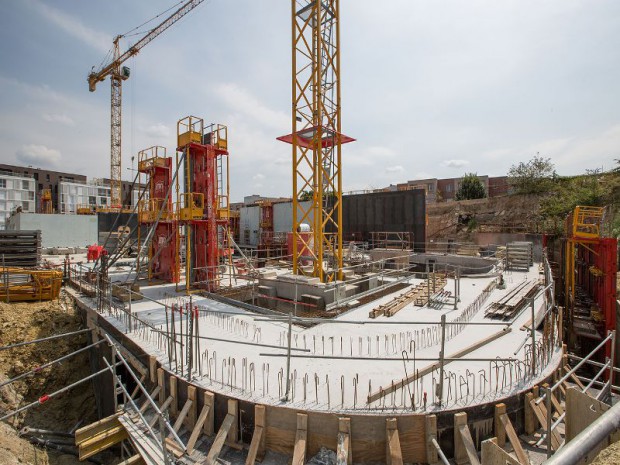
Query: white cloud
[394,169]
[242,101]
[73,26]
[38,155]
[258,177]
[455,163]
[60,119]
[158,130]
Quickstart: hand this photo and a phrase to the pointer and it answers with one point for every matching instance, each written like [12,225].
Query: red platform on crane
[305,137]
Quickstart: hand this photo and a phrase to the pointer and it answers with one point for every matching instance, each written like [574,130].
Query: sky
[430,88]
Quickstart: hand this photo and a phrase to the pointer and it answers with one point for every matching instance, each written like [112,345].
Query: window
[25,185]
[92,200]
[30,195]
[3,183]
[25,206]
[449,188]
[47,177]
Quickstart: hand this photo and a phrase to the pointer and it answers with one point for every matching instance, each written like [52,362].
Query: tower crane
[118,74]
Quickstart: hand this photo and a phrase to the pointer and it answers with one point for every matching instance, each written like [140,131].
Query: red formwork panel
[203,242]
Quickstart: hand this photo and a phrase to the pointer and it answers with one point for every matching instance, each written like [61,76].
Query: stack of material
[519,255]
[469,250]
[418,295]
[20,248]
[513,302]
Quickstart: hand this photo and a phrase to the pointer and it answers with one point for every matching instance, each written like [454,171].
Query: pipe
[26,430]
[442,456]
[47,397]
[579,448]
[53,362]
[44,339]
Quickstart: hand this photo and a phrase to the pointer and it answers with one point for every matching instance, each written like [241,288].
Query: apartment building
[49,179]
[17,193]
[75,195]
[445,189]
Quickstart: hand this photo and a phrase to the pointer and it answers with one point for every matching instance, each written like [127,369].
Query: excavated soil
[608,456]
[28,321]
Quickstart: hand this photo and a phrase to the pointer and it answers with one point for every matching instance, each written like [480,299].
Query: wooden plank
[219,441]
[102,441]
[529,419]
[150,451]
[500,432]
[257,449]
[163,408]
[301,446]
[174,408]
[541,415]
[89,431]
[411,378]
[472,454]
[343,452]
[514,440]
[572,376]
[153,368]
[393,453]
[147,403]
[492,454]
[202,418]
[581,411]
[233,433]
[257,437]
[182,415]
[192,414]
[173,447]
[209,426]
[133,460]
[430,433]
[161,383]
[137,388]
[464,449]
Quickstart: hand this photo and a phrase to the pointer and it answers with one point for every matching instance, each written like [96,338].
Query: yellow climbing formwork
[23,284]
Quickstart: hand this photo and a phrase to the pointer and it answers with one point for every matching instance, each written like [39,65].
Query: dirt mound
[28,321]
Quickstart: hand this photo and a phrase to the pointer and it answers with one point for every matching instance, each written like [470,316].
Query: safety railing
[606,369]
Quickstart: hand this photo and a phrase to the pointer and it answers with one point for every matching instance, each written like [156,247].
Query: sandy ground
[608,456]
[28,321]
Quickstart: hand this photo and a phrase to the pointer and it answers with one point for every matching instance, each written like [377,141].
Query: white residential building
[73,195]
[16,192]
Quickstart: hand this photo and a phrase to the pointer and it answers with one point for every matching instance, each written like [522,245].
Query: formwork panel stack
[20,248]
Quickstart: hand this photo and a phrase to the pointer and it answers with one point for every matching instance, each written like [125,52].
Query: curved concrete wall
[468,265]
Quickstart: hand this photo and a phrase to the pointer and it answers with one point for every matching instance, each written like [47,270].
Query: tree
[534,177]
[471,188]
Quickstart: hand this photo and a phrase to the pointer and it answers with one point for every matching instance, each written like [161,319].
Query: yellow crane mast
[118,74]
[316,139]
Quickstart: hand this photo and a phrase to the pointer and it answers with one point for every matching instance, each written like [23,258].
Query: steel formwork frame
[204,207]
[590,263]
[157,211]
[316,138]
